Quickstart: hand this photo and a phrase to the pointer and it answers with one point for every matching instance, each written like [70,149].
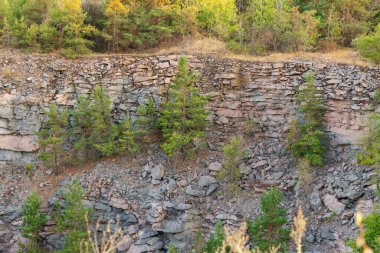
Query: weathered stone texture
[238,91]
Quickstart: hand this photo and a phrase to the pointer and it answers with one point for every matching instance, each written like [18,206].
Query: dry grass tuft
[298,230]
[7,73]
[218,48]
[237,241]
[305,171]
[108,242]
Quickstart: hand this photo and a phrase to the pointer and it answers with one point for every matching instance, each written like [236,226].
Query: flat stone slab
[25,143]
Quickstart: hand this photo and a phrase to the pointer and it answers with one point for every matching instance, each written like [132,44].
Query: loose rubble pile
[157,203]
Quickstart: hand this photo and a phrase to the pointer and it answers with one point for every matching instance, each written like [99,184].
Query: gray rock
[215,166]
[211,189]
[310,238]
[171,226]
[205,181]
[333,204]
[194,191]
[326,233]
[158,172]
[124,244]
[315,200]
[259,164]
[147,232]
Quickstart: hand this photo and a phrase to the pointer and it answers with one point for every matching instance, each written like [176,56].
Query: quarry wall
[239,91]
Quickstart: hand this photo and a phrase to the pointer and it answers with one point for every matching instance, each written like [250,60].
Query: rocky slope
[160,201]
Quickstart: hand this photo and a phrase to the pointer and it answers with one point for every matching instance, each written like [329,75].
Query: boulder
[315,200]
[205,181]
[333,204]
[215,166]
[158,173]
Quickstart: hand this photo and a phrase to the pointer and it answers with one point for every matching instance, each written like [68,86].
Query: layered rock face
[263,93]
[157,203]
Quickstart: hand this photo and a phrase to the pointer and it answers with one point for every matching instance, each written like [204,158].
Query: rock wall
[240,92]
[157,203]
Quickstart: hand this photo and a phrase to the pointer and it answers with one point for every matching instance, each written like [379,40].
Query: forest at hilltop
[258,27]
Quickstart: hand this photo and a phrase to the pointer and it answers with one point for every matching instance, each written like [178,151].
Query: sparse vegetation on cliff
[33,222]
[53,138]
[233,154]
[307,133]
[183,118]
[268,230]
[71,219]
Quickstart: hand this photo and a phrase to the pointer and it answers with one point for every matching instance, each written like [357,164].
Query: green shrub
[199,242]
[308,133]
[371,233]
[172,249]
[233,154]
[33,221]
[93,126]
[376,97]
[71,220]
[369,153]
[268,230]
[183,118]
[368,46]
[149,27]
[214,243]
[370,143]
[54,137]
[148,119]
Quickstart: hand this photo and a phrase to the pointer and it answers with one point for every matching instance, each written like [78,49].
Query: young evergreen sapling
[72,219]
[33,221]
[268,230]
[53,138]
[183,118]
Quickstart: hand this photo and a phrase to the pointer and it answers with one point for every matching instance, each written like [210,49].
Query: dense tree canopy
[251,26]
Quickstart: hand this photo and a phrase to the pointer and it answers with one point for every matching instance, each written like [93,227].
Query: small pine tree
[183,118]
[216,240]
[268,230]
[33,221]
[172,248]
[123,138]
[309,144]
[71,219]
[233,153]
[92,124]
[199,242]
[116,13]
[53,138]
[82,125]
[147,121]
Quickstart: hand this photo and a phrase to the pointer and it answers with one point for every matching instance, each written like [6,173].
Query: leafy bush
[368,46]
[33,221]
[308,133]
[54,137]
[233,154]
[183,118]
[71,219]
[268,230]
